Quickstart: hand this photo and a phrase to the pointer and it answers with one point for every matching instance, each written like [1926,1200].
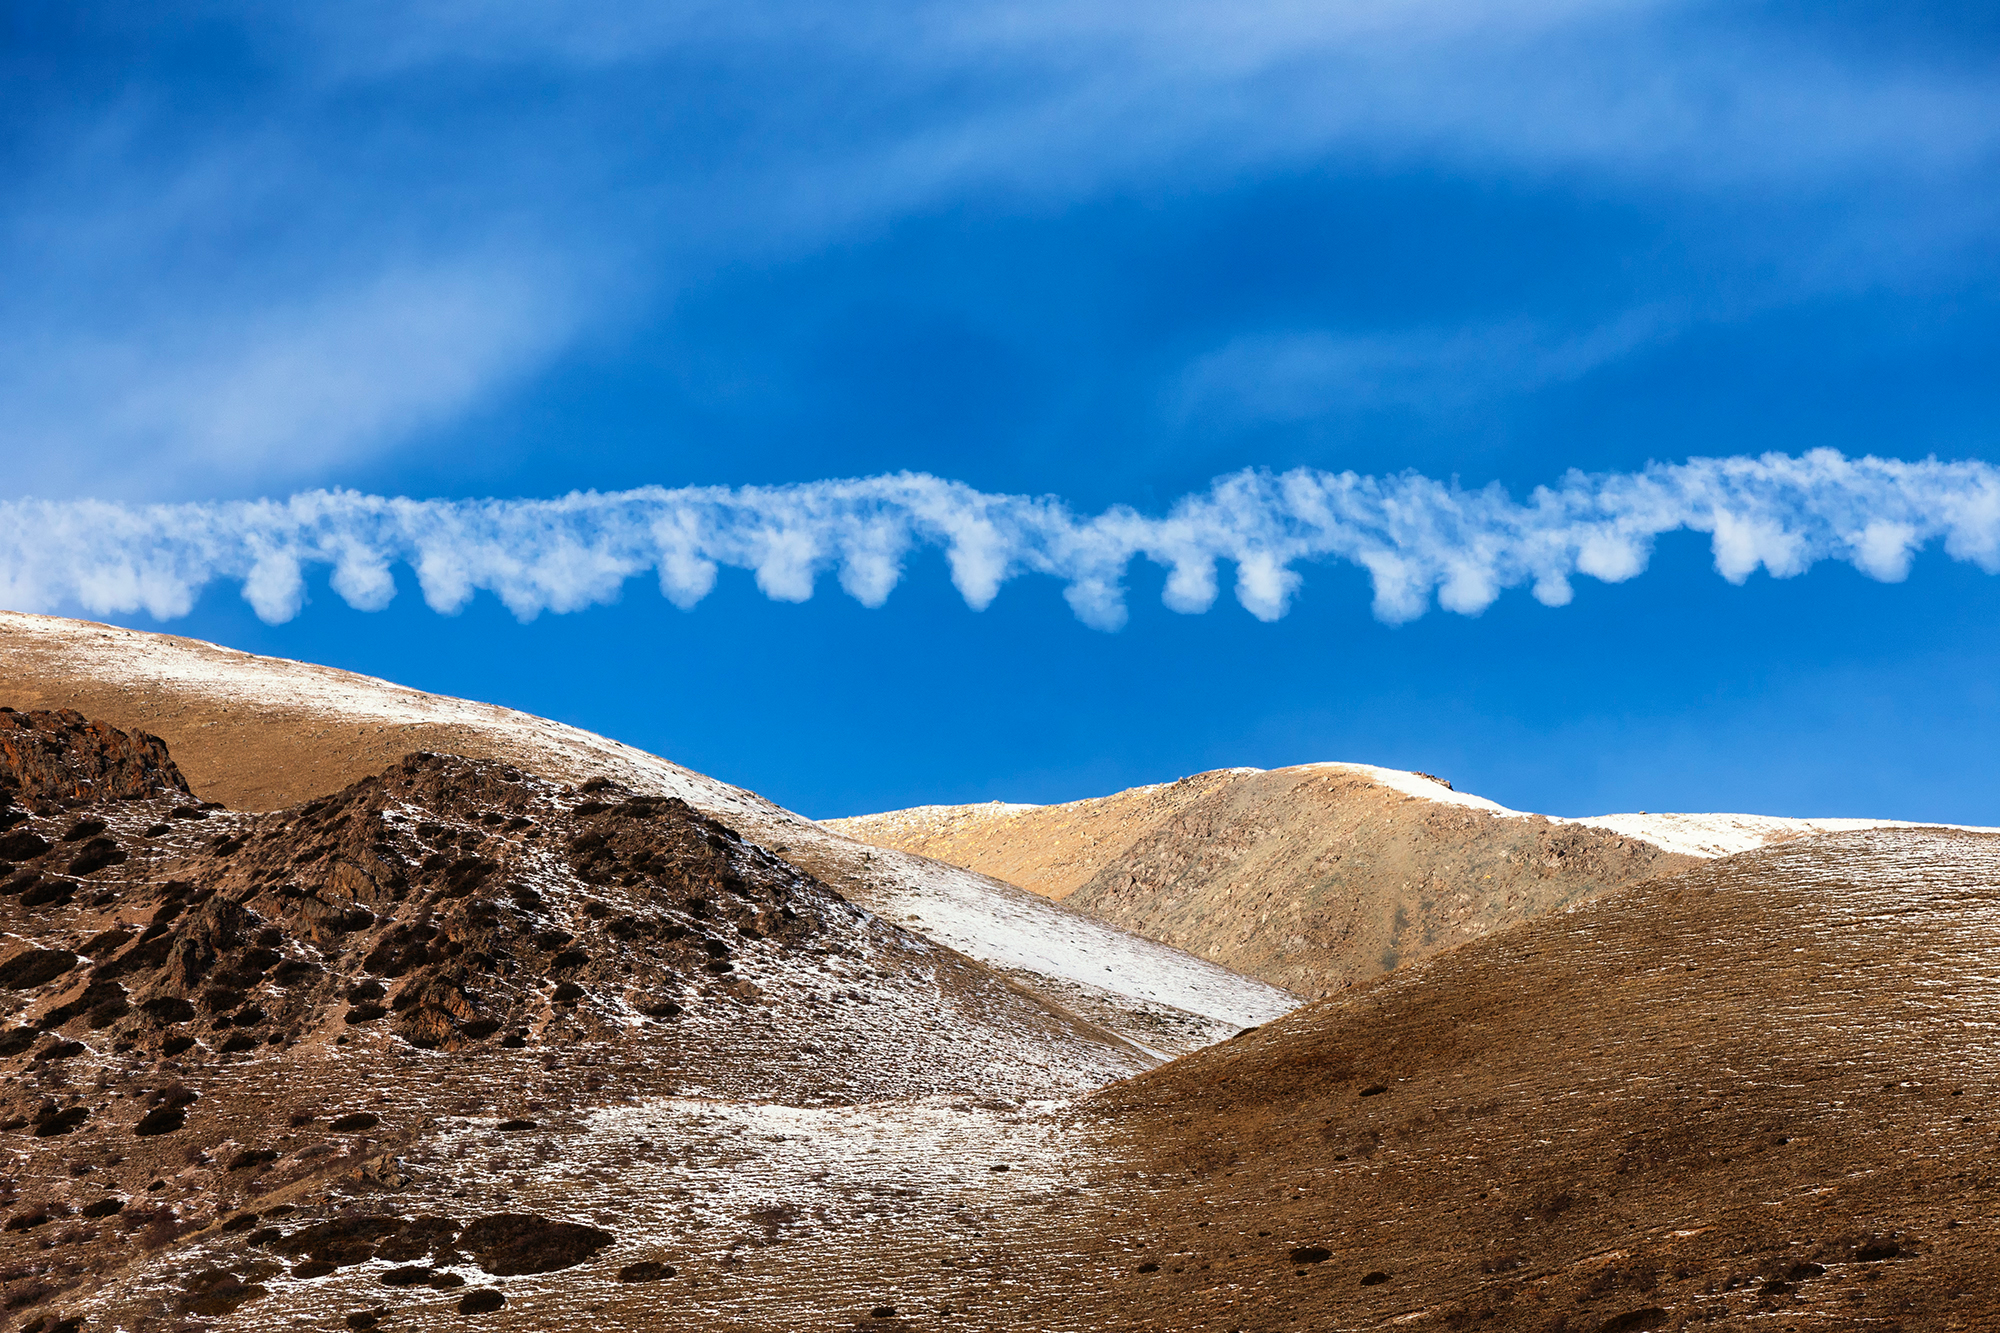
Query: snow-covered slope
[1706,836]
[1141,989]
[1703,835]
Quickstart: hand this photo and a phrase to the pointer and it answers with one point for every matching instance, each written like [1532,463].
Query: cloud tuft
[1422,541]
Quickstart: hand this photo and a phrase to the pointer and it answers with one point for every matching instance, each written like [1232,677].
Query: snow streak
[1419,539]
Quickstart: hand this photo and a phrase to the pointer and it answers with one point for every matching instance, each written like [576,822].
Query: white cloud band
[1419,539]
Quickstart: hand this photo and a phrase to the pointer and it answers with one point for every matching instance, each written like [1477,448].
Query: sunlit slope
[1318,876]
[1312,878]
[260,733]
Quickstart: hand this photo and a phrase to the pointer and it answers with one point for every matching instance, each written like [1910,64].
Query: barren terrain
[1311,878]
[1316,877]
[261,733]
[460,1044]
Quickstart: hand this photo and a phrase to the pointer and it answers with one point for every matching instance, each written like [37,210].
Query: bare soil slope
[1311,878]
[1761,1094]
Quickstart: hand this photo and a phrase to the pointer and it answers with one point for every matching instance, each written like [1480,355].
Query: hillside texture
[1312,878]
[256,1032]
[262,733]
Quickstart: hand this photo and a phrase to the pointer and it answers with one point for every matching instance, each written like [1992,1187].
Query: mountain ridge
[252,730]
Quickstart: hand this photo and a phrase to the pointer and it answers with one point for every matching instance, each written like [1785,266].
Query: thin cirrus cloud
[1420,540]
[278,281]
[279,392]
[1309,374]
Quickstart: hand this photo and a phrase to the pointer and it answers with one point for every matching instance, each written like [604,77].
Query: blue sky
[461,250]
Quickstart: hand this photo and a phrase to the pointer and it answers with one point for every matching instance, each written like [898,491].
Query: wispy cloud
[1420,540]
[336,226]
[278,393]
[1303,375]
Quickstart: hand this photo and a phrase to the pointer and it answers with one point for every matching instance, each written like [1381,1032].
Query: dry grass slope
[1312,878]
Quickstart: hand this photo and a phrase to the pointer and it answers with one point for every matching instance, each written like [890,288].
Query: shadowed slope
[1767,1087]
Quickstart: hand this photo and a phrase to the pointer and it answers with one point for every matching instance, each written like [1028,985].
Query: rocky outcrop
[61,757]
[268,1021]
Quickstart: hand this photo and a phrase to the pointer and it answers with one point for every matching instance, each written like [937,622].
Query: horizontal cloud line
[1420,540]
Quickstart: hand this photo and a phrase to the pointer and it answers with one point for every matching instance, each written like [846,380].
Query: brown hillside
[262,733]
[247,750]
[245,1056]
[1310,878]
[460,1046]
[1761,1094]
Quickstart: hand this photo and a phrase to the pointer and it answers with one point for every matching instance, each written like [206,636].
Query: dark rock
[49,893]
[63,1122]
[61,756]
[1311,1254]
[107,942]
[95,855]
[510,1126]
[294,970]
[341,1241]
[22,845]
[1374,1279]
[355,1123]
[1651,1316]
[224,1298]
[104,1208]
[646,1270]
[426,1237]
[509,1244]
[165,1120]
[35,967]
[483,1301]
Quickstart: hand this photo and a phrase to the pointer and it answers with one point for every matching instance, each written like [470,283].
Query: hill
[1757,1091]
[1758,1094]
[1317,877]
[216,1015]
[260,733]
